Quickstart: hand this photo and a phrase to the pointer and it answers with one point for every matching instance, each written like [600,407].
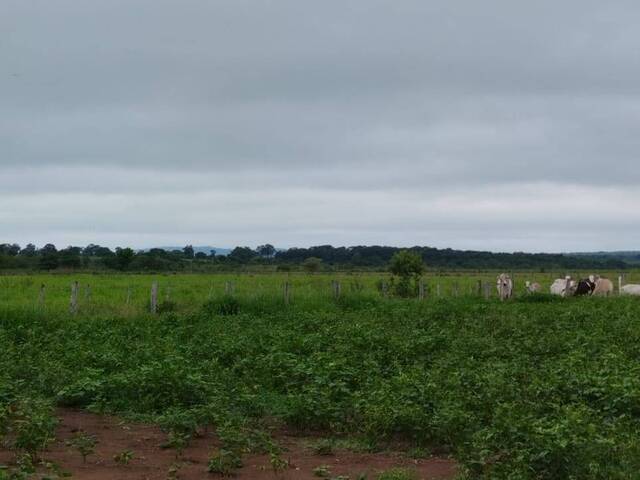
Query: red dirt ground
[151,462]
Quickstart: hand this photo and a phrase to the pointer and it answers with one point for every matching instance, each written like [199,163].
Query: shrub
[406,267]
[226,305]
[167,306]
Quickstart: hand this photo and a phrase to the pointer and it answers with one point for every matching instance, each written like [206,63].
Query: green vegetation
[542,389]
[407,268]
[267,258]
[398,474]
[225,462]
[85,444]
[124,458]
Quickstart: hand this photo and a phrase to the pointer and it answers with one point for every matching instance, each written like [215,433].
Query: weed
[224,462]
[123,458]
[178,441]
[84,443]
[324,447]
[278,464]
[227,305]
[322,471]
[398,474]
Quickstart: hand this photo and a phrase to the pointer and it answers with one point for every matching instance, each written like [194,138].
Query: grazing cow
[630,289]
[532,287]
[562,286]
[604,287]
[585,287]
[505,286]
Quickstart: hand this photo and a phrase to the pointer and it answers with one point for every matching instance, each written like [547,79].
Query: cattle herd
[568,287]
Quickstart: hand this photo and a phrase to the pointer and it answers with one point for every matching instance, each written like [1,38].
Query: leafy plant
[322,471]
[84,443]
[398,474]
[124,458]
[178,441]
[227,305]
[224,462]
[31,424]
[278,464]
[324,447]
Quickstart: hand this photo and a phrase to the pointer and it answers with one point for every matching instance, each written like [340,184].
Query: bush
[406,267]
[167,306]
[227,305]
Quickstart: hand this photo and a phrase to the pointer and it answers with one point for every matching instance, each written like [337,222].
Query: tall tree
[266,251]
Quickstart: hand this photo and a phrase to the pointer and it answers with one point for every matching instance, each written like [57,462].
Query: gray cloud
[151,122]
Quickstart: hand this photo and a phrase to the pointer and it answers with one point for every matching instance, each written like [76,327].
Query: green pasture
[129,294]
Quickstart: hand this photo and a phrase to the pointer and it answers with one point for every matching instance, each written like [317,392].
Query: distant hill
[205,249]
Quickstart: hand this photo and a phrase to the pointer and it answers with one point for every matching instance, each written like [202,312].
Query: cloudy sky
[500,125]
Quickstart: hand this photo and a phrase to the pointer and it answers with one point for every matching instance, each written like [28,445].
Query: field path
[151,462]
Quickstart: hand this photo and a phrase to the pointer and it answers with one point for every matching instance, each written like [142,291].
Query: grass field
[534,388]
[129,294]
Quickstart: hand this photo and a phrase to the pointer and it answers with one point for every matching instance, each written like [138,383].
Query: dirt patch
[151,462]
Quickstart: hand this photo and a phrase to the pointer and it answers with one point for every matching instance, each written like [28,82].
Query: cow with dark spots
[585,287]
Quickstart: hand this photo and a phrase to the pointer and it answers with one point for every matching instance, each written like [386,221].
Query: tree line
[96,257]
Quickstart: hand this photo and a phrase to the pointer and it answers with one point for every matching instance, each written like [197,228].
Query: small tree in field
[312,264]
[406,267]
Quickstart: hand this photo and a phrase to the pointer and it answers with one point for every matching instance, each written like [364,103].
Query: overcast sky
[498,125]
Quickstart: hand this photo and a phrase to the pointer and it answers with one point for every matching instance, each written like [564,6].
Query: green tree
[242,255]
[312,264]
[406,267]
[266,251]
[188,251]
[124,257]
[49,257]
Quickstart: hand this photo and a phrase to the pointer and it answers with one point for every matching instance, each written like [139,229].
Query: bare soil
[152,462]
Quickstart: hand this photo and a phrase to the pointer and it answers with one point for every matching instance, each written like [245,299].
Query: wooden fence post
[479,288]
[41,295]
[128,301]
[421,289]
[385,289]
[487,290]
[455,289]
[335,285]
[620,284]
[87,292]
[154,297]
[438,290]
[73,303]
[286,293]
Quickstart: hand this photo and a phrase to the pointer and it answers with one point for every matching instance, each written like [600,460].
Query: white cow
[631,289]
[534,287]
[505,286]
[563,286]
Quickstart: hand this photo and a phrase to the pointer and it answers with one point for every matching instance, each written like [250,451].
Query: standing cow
[563,287]
[505,286]
[603,287]
[585,287]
